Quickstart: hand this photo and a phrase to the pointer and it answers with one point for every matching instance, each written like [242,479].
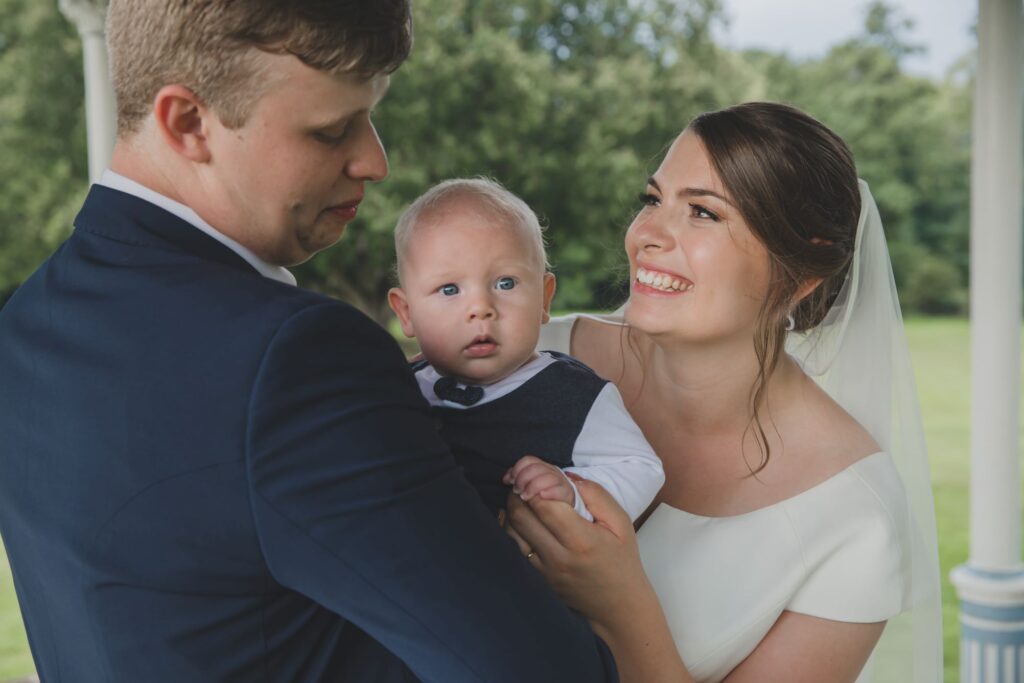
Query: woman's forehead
[687,164]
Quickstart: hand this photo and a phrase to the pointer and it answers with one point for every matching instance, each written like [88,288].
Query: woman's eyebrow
[701,192]
[691,191]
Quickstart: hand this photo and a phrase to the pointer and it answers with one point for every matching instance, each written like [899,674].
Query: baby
[475,290]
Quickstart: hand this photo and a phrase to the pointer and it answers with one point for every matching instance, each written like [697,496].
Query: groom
[208,473]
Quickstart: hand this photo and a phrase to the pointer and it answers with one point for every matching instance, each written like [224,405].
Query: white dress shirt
[116,181]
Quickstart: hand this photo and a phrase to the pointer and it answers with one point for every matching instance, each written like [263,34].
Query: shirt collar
[428,375]
[116,181]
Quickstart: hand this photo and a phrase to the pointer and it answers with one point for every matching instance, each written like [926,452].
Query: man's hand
[531,477]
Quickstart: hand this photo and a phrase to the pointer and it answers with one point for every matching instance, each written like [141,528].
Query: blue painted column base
[991,625]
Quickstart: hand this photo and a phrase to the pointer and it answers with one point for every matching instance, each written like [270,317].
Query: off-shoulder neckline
[604,318]
[779,503]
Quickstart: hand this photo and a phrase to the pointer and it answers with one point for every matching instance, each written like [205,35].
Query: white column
[991,584]
[100,109]
[996,184]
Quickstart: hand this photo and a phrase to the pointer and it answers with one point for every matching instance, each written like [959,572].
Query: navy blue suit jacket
[207,475]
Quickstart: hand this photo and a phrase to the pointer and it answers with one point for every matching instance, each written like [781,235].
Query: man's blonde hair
[207,46]
[490,194]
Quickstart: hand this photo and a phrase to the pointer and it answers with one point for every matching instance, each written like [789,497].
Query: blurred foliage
[570,105]
[43,161]
[910,136]
[934,287]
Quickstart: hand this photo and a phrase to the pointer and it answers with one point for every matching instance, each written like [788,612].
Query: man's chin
[290,257]
[308,246]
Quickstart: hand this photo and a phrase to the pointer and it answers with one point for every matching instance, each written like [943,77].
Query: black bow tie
[447,388]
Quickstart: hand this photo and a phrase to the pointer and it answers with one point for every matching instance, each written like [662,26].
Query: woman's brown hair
[794,181]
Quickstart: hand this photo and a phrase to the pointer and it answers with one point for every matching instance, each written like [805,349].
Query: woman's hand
[595,567]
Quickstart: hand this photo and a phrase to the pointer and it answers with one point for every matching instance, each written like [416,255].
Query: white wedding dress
[832,551]
[857,547]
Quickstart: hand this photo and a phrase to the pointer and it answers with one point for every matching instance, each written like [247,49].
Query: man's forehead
[323,94]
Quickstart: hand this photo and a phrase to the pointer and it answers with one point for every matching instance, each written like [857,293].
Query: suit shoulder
[288,306]
[321,322]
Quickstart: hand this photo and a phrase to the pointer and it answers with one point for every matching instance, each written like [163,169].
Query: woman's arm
[642,644]
[805,649]
[596,569]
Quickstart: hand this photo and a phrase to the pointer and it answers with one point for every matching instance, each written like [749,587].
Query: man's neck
[147,181]
[130,160]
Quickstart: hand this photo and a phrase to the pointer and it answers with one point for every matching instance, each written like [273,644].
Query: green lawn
[15,661]
[940,349]
[941,355]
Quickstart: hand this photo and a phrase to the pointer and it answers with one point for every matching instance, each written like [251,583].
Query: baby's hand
[531,477]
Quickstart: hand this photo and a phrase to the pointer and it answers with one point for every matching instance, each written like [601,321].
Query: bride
[762,353]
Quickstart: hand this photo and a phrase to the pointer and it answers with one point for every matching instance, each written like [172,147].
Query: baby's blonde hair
[490,193]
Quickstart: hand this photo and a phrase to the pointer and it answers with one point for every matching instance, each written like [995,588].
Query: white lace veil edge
[859,355]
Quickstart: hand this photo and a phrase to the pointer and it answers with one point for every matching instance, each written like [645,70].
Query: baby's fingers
[521,464]
[526,476]
[553,484]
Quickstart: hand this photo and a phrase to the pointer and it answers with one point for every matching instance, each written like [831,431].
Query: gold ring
[531,555]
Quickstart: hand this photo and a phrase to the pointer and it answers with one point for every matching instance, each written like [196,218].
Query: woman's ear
[804,290]
[182,119]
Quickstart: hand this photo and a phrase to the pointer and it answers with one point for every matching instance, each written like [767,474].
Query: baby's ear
[400,305]
[550,286]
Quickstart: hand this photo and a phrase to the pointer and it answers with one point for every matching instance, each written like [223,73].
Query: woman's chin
[651,320]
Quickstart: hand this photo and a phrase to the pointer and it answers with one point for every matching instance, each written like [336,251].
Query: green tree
[910,136]
[42,134]
[566,103]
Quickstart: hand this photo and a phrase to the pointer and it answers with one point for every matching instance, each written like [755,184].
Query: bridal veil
[859,355]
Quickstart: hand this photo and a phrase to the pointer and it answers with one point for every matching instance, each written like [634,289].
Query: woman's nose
[651,234]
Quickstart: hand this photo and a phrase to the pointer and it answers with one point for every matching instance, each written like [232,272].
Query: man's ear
[549,293]
[400,305]
[182,120]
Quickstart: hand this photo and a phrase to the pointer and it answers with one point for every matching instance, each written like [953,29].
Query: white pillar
[991,584]
[996,185]
[100,109]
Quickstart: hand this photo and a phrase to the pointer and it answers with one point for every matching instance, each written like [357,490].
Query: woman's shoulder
[595,339]
[868,488]
[559,332]
[834,551]
[556,334]
[854,530]
[821,439]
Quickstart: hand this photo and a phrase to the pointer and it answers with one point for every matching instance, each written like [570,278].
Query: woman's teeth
[666,283]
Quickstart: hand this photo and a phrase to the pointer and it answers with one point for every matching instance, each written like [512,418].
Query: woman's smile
[649,281]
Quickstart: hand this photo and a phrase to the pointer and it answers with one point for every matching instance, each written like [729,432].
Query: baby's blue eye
[449,289]
[505,283]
